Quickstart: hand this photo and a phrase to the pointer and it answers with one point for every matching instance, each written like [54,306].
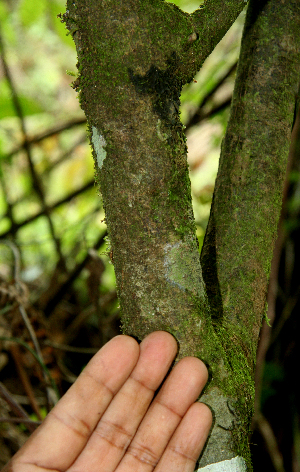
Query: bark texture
[239,241]
[133,58]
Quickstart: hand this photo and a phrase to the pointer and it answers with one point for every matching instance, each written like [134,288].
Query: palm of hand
[107,421]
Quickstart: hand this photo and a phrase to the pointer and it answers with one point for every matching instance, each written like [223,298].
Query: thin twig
[198,115]
[18,283]
[201,115]
[66,348]
[39,356]
[219,84]
[17,259]
[15,352]
[268,435]
[44,367]
[69,197]
[16,408]
[9,205]
[47,134]
[21,420]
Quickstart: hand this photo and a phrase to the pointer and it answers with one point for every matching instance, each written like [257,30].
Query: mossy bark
[133,58]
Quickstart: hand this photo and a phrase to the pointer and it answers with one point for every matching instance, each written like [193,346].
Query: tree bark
[133,58]
[242,229]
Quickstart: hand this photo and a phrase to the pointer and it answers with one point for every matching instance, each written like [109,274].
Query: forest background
[56,276]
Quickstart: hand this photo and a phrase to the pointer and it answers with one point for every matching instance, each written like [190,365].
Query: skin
[107,421]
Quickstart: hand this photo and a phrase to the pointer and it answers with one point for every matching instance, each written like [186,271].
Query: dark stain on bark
[163,86]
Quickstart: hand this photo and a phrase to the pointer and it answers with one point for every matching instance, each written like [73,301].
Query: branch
[210,22]
[248,192]
[238,246]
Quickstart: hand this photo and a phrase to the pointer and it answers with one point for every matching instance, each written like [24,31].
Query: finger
[188,441]
[65,431]
[118,425]
[181,389]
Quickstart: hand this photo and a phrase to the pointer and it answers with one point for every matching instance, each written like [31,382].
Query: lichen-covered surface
[236,464]
[133,58]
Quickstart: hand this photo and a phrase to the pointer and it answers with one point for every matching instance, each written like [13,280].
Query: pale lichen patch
[162,136]
[99,144]
[183,267]
[236,464]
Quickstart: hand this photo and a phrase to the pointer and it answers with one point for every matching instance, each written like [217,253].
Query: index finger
[76,415]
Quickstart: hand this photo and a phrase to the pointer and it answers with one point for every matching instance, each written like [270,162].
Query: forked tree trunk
[133,58]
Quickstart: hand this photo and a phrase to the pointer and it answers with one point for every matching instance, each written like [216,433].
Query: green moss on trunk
[132,64]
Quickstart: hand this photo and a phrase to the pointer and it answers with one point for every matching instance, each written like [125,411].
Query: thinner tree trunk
[133,58]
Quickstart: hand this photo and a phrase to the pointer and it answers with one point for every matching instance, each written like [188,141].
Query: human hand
[107,423]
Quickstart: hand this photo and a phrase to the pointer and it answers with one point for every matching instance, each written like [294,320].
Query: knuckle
[179,451]
[75,423]
[143,454]
[116,435]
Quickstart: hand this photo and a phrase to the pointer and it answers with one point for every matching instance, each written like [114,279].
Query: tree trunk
[133,58]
